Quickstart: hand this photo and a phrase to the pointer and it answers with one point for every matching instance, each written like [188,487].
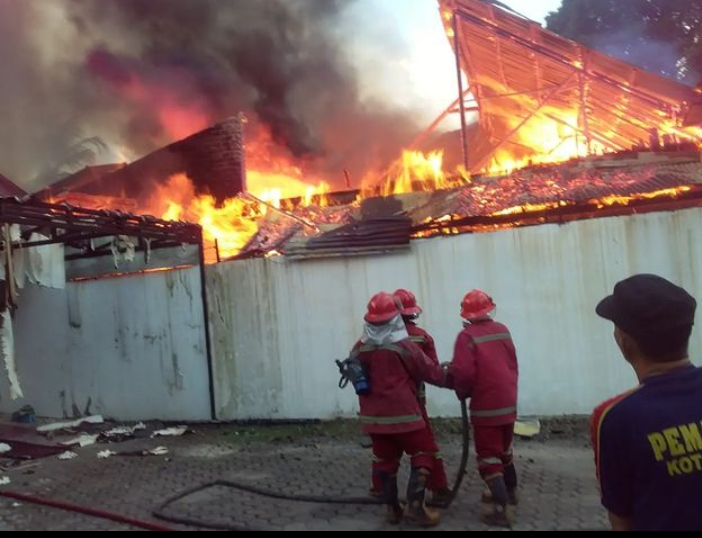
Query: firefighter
[438,483]
[484,368]
[391,413]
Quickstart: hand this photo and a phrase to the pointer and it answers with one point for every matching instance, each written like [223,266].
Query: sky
[421,55]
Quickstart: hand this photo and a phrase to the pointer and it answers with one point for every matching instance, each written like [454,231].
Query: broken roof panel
[519,73]
[371,226]
[372,235]
[9,189]
[85,181]
[212,158]
[594,181]
[604,186]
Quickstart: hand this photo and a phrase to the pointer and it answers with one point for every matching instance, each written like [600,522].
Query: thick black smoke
[140,73]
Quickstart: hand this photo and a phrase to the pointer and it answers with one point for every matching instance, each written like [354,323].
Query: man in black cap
[648,441]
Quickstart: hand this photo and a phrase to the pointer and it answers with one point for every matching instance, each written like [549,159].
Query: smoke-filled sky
[341,84]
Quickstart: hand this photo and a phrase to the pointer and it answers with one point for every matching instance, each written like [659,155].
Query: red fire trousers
[493,447]
[419,445]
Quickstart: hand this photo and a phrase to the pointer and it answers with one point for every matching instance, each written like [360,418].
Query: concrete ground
[268,469]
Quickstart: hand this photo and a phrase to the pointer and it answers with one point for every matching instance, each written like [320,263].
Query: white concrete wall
[277,326]
[131,348]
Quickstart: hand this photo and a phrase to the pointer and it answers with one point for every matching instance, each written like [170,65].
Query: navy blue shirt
[648,449]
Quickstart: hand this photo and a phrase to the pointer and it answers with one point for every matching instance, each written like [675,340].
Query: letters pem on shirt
[648,451]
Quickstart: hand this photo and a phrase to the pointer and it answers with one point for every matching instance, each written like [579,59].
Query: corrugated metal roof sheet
[519,71]
[374,235]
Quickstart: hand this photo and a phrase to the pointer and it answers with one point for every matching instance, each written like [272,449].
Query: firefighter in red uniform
[391,414]
[484,368]
[438,483]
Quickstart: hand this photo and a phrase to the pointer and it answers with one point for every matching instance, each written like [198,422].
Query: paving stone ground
[246,477]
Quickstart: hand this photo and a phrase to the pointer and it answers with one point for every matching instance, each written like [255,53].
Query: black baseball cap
[645,305]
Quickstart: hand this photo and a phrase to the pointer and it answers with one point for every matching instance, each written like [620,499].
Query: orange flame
[417,172]
[626,200]
[273,175]
[230,226]
[541,140]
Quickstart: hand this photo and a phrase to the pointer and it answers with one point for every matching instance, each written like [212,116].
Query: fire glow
[228,227]
[273,175]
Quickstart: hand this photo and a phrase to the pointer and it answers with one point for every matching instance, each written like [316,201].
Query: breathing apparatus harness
[352,370]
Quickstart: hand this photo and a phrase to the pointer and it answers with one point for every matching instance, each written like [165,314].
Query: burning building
[580,170]
[563,133]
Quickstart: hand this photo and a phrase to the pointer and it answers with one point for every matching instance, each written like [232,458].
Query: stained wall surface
[277,326]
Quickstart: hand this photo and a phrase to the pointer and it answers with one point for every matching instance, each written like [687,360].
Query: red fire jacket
[426,343]
[423,339]
[394,371]
[485,369]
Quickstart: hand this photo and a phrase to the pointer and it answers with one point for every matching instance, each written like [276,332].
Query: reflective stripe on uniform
[418,339]
[494,412]
[365,348]
[390,420]
[416,454]
[489,461]
[491,338]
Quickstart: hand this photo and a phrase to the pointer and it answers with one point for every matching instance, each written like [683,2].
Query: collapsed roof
[596,187]
[536,91]
[537,94]
[212,158]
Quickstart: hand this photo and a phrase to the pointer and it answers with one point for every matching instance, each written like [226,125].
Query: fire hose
[86,510]
[162,511]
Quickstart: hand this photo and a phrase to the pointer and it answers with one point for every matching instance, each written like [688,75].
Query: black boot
[416,510]
[511,483]
[495,513]
[390,495]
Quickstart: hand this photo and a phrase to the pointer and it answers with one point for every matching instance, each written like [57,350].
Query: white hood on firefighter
[391,333]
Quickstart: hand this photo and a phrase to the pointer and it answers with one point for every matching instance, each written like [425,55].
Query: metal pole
[583,102]
[461,98]
[206,322]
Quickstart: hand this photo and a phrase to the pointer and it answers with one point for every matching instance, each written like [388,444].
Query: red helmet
[382,308]
[409,303]
[476,304]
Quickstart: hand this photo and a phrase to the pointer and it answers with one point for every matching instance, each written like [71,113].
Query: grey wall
[132,347]
[277,325]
